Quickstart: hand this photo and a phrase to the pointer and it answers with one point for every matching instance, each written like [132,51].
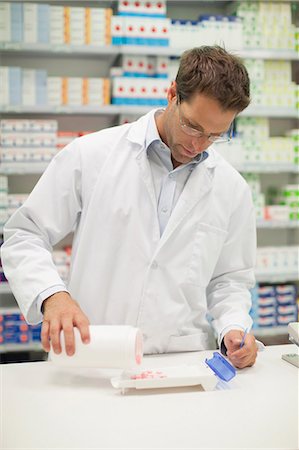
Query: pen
[243,339]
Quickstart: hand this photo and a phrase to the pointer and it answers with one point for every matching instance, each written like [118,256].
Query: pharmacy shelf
[280,277]
[58,50]
[115,50]
[251,111]
[28,169]
[270,331]
[279,224]
[30,347]
[39,168]
[267,168]
[5,288]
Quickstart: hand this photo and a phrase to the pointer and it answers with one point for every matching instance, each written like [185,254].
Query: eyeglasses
[214,138]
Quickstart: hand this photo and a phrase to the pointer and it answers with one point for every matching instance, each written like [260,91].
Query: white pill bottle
[111,346]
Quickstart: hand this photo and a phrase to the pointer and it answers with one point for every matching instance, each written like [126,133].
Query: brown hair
[214,72]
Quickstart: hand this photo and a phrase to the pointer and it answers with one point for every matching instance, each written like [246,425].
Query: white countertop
[46,407]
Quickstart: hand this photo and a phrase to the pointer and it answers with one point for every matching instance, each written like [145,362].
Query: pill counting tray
[166,377]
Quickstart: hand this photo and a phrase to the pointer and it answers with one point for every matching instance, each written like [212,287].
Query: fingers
[55,328]
[69,337]
[62,313]
[45,336]
[82,324]
[245,356]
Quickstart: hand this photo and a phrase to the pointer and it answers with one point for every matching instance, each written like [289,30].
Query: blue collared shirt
[168,182]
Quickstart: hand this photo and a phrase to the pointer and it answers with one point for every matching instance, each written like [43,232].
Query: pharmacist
[164,227]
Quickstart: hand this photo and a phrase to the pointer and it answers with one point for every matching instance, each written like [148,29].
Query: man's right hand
[61,312]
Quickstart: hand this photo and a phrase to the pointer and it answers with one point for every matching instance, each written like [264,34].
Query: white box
[54,91]
[30,23]
[5,21]
[75,94]
[56,25]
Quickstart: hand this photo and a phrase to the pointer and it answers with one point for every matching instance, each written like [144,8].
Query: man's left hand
[240,357]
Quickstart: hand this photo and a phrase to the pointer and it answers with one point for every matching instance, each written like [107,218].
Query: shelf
[279,277]
[5,288]
[267,168]
[30,347]
[39,168]
[279,224]
[114,50]
[31,169]
[251,111]
[270,331]
[58,50]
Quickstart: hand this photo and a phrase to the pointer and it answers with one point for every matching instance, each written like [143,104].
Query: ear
[172,92]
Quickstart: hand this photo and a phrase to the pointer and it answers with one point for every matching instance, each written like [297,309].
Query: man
[164,227]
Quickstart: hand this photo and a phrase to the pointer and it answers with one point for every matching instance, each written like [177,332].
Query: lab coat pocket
[188,343]
[207,246]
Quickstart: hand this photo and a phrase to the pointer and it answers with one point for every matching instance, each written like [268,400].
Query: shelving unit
[36,56]
[31,347]
[116,50]
[115,110]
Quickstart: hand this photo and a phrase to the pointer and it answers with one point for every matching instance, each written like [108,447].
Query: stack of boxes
[258,196]
[76,91]
[252,144]
[274,305]
[27,142]
[290,195]
[142,80]
[207,30]
[267,24]
[32,23]
[145,66]
[141,23]
[277,260]
[139,91]
[15,330]
[277,205]
[271,83]
[29,87]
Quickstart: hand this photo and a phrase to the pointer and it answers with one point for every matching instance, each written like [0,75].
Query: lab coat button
[154,265]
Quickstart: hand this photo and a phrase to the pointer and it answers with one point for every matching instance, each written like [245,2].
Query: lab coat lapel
[198,185]
[145,172]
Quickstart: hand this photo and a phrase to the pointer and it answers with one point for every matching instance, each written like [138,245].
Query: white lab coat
[122,271]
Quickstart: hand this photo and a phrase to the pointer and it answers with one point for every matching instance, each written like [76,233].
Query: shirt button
[171,175]
[154,265]
[164,209]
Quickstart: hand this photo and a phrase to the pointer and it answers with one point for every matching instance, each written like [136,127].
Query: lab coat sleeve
[47,216]
[228,295]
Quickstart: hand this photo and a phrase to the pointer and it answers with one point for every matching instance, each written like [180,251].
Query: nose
[200,144]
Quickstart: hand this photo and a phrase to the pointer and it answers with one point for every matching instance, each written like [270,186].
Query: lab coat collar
[137,135]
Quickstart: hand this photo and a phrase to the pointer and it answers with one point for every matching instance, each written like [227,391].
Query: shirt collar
[152,135]
[152,130]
